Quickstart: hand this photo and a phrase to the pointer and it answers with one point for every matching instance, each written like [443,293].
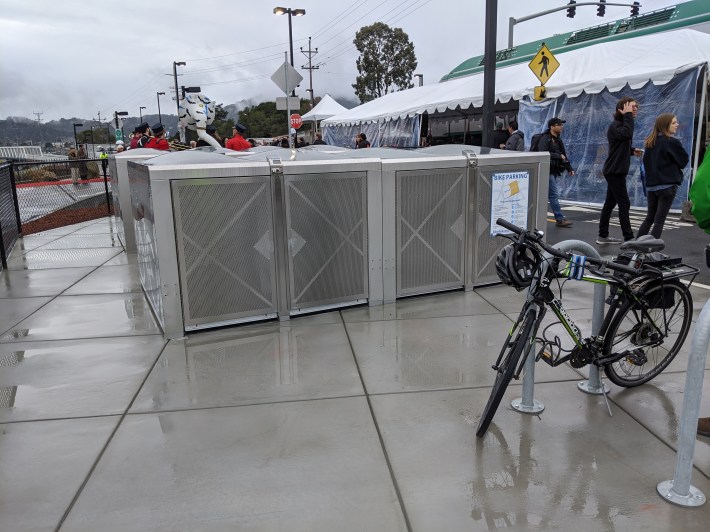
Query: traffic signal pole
[512,21]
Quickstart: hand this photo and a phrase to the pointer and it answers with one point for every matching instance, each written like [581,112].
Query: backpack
[535,141]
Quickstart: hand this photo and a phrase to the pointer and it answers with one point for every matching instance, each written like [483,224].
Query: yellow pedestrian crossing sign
[544,64]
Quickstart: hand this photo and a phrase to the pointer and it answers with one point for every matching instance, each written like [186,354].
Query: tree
[264,120]
[386,63]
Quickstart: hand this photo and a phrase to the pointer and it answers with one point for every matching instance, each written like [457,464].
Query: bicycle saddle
[644,244]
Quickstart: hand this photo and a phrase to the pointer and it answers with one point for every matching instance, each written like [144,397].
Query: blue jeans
[553,196]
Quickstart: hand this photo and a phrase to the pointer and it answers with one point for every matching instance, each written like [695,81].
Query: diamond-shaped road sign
[286,78]
[544,64]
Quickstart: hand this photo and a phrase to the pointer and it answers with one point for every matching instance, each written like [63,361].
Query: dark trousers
[659,203]
[616,194]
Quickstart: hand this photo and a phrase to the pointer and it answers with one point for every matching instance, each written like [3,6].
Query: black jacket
[619,135]
[664,162]
[557,149]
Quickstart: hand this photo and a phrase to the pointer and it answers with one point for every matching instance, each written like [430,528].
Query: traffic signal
[601,9]
[635,9]
[571,9]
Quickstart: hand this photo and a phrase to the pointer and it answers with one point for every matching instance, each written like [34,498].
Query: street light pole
[76,143]
[93,146]
[290,12]
[177,95]
[158,95]
[140,113]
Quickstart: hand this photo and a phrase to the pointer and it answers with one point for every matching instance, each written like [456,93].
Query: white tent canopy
[657,57]
[326,108]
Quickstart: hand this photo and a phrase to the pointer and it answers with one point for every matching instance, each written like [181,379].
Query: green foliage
[264,120]
[386,62]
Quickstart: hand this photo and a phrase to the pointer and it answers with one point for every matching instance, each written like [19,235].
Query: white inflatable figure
[196,113]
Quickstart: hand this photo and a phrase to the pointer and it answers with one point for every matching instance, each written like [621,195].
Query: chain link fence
[55,194]
[9,214]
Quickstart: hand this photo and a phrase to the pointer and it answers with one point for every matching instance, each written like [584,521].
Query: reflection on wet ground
[360,419]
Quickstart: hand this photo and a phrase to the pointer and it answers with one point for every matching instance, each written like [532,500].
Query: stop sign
[296,121]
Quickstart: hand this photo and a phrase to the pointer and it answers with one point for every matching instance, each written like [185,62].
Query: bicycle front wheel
[651,340]
[517,344]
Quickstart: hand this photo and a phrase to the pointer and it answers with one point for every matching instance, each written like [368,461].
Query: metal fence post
[13,185]
[104,165]
[679,490]
[527,404]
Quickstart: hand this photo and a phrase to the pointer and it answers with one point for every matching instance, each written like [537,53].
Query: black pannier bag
[659,300]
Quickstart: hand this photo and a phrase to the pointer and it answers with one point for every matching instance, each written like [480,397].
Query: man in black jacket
[617,164]
[551,142]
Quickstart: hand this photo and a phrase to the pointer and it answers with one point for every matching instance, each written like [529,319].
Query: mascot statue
[196,113]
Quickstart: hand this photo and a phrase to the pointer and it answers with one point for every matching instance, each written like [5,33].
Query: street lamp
[177,96]
[140,113]
[93,146]
[76,125]
[158,95]
[291,13]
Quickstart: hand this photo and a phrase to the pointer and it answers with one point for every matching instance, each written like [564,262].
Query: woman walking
[663,160]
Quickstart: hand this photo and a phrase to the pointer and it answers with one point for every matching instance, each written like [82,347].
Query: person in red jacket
[157,141]
[237,142]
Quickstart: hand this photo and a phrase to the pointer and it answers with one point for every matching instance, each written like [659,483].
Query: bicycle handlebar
[524,234]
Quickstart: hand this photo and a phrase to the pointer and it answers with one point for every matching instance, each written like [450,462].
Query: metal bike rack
[527,404]
[679,490]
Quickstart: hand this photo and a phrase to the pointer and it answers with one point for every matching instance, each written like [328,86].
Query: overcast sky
[74,58]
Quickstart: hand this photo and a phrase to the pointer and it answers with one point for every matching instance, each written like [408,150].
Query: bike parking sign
[509,199]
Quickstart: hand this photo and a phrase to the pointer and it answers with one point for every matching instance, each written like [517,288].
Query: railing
[9,213]
[58,193]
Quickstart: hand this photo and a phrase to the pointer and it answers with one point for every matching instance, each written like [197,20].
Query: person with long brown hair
[663,160]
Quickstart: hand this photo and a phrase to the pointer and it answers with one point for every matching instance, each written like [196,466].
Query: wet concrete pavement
[360,419]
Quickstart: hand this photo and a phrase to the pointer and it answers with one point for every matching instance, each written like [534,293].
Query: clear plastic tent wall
[588,117]
[396,133]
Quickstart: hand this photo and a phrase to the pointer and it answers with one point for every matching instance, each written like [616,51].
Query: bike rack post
[527,404]
[679,490]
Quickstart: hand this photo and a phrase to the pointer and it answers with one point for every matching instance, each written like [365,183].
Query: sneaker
[563,223]
[704,426]
[608,240]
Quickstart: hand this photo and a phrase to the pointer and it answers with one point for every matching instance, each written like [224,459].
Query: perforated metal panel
[116,201]
[146,242]
[225,248]
[326,223]
[430,229]
[487,247]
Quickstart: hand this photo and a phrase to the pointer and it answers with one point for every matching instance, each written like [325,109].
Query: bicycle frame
[541,296]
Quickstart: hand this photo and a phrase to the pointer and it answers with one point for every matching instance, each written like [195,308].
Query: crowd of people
[663,160]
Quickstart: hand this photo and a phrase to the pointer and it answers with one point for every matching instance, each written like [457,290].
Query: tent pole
[701,112]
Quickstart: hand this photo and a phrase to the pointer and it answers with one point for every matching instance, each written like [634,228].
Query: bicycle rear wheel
[519,340]
[649,351]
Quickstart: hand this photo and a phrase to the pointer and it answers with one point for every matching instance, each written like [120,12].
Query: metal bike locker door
[424,210]
[333,229]
[225,246]
[121,193]
[484,209]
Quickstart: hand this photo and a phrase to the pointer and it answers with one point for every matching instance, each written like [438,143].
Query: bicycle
[645,325]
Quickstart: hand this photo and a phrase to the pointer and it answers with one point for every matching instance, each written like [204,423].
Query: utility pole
[99,115]
[39,124]
[310,53]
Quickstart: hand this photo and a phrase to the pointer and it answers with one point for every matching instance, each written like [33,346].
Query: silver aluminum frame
[121,193]
[538,164]
[223,319]
[391,169]
[370,169]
